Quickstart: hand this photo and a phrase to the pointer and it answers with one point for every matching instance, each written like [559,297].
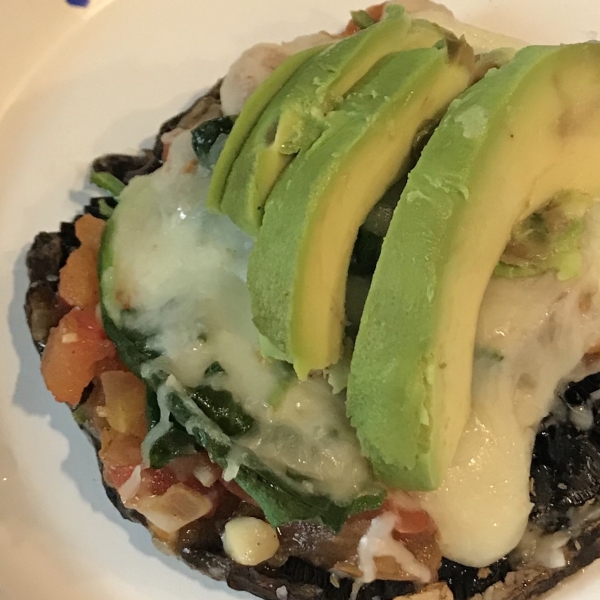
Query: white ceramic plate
[75,83]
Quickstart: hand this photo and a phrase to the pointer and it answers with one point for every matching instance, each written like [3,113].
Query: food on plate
[336,335]
[316,207]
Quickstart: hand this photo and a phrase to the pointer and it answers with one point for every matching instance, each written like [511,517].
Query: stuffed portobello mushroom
[336,335]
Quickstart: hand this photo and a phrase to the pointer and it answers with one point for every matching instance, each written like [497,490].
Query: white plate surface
[75,83]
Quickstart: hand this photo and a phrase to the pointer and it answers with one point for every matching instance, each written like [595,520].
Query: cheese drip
[183,271]
[532,334]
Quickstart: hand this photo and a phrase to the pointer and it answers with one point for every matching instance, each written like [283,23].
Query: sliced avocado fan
[298,267]
[525,134]
[295,117]
[246,120]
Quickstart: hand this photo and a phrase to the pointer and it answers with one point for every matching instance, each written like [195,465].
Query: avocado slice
[246,120]
[525,134]
[297,114]
[298,267]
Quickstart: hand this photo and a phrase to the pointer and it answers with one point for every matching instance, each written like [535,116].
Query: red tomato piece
[118,475]
[158,481]
[375,12]
[88,230]
[78,279]
[73,349]
[409,520]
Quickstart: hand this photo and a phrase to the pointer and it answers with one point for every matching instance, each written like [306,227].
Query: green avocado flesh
[296,116]
[298,267]
[512,143]
[246,120]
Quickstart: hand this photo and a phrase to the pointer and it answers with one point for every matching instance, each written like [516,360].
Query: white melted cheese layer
[183,271]
[532,333]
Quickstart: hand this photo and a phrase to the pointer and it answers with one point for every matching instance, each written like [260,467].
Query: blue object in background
[78,2]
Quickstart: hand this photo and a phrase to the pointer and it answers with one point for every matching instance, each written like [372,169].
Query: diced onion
[206,475]
[131,487]
[177,507]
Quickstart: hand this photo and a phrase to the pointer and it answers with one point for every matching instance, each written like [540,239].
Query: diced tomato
[375,12]
[125,402]
[118,475]
[88,230]
[409,520]
[158,481]
[73,349]
[351,29]
[414,522]
[78,279]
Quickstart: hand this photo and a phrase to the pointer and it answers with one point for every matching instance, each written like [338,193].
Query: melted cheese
[532,333]
[379,541]
[183,272]
[256,64]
